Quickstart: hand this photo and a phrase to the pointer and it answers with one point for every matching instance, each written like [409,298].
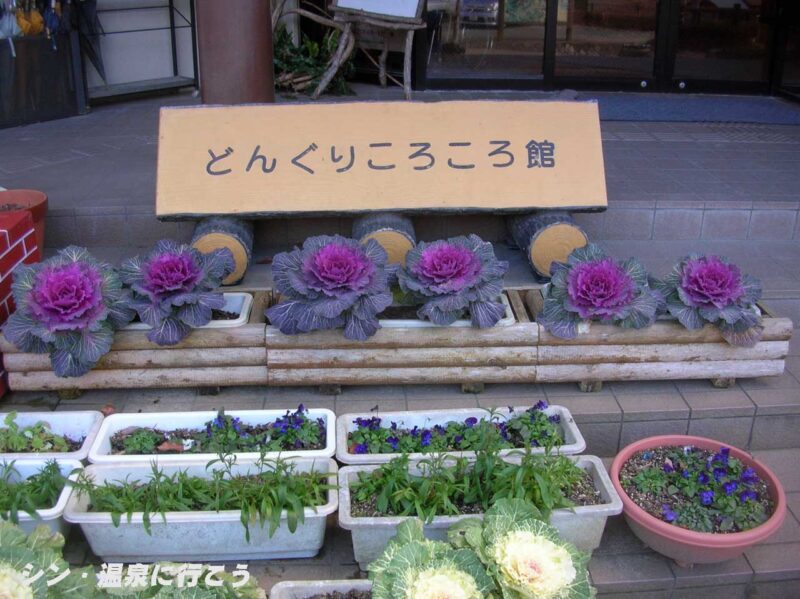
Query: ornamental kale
[524,428]
[453,276]
[592,286]
[709,289]
[525,556]
[697,489]
[331,282]
[173,288]
[68,306]
[413,567]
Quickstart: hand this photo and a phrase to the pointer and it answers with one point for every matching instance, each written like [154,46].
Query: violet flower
[669,515]
[706,497]
[748,495]
[730,487]
[360,448]
[471,421]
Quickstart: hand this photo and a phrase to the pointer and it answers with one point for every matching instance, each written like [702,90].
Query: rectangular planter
[50,517]
[582,526]
[290,589]
[72,424]
[664,351]
[100,452]
[408,355]
[416,323]
[208,357]
[196,536]
[574,442]
[236,303]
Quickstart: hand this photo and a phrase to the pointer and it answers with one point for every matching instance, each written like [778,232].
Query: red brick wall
[17,246]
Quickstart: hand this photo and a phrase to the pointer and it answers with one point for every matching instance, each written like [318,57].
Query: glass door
[485,39]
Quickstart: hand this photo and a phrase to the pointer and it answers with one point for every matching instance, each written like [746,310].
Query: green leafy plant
[412,567]
[298,68]
[527,428]
[524,555]
[693,488]
[295,430]
[261,496]
[449,487]
[42,551]
[33,438]
[34,493]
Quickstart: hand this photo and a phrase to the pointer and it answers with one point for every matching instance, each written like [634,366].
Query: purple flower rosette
[68,306]
[591,286]
[332,282]
[450,277]
[704,290]
[174,288]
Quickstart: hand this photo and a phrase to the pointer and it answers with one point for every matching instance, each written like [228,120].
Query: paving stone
[450,403]
[727,591]
[733,431]
[789,532]
[347,406]
[588,407]
[772,224]
[725,224]
[620,388]
[554,390]
[776,401]
[665,594]
[776,432]
[527,392]
[373,392]
[656,406]
[280,397]
[782,381]
[629,224]
[774,562]
[731,402]
[793,501]
[783,589]
[783,462]
[677,224]
[630,572]
[602,438]
[633,431]
[734,571]
[36,400]
[618,538]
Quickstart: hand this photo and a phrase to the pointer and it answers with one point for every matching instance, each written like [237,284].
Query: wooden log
[510,336]
[244,336]
[401,376]
[547,237]
[229,232]
[400,358]
[654,371]
[152,358]
[517,306]
[393,231]
[670,352]
[141,378]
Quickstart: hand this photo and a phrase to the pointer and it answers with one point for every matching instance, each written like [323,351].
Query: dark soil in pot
[347,595]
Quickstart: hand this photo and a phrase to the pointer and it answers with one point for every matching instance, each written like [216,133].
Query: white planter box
[305,589]
[574,442]
[196,536]
[72,424]
[415,323]
[582,525]
[51,517]
[236,302]
[100,452]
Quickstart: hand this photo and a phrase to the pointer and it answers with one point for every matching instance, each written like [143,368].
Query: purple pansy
[720,473]
[703,478]
[425,439]
[360,448]
[540,405]
[393,441]
[748,495]
[730,487]
[749,476]
[669,515]
[471,421]
[706,497]
[668,467]
[555,418]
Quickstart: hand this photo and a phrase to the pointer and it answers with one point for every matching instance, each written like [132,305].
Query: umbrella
[52,21]
[90,29]
[8,23]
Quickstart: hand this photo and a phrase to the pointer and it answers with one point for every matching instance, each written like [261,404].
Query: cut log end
[395,243]
[555,244]
[394,232]
[213,241]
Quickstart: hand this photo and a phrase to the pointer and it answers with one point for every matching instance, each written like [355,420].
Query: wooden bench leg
[723,382]
[590,386]
[69,394]
[382,62]
[472,387]
[407,63]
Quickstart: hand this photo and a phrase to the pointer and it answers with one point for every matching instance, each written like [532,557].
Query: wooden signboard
[404,10]
[282,159]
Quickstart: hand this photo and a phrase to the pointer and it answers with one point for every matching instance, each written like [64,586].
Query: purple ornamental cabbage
[174,288]
[332,282]
[709,289]
[453,276]
[593,286]
[68,306]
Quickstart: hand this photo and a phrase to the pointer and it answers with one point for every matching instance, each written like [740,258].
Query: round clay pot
[34,202]
[686,546]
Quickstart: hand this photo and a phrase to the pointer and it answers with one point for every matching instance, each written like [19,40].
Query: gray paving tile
[776,432]
[634,431]
[776,401]
[782,381]
[450,403]
[589,408]
[620,388]
[783,462]
[345,406]
[733,431]
[726,224]
[730,402]
[655,406]
[677,224]
[734,571]
[618,538]
[783,589]
[727,591]
[602,438]
[775,562]
[629,224]
[772,224]
[630,572]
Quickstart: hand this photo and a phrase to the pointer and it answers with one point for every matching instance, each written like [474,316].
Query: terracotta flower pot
[687,546]
[31,200]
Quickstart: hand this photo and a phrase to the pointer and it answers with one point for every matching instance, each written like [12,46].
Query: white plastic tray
[303,589]
[100,452]
[574,442]
[196,536]
[75,425]
[415,323]
[51,517]
[236,302]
